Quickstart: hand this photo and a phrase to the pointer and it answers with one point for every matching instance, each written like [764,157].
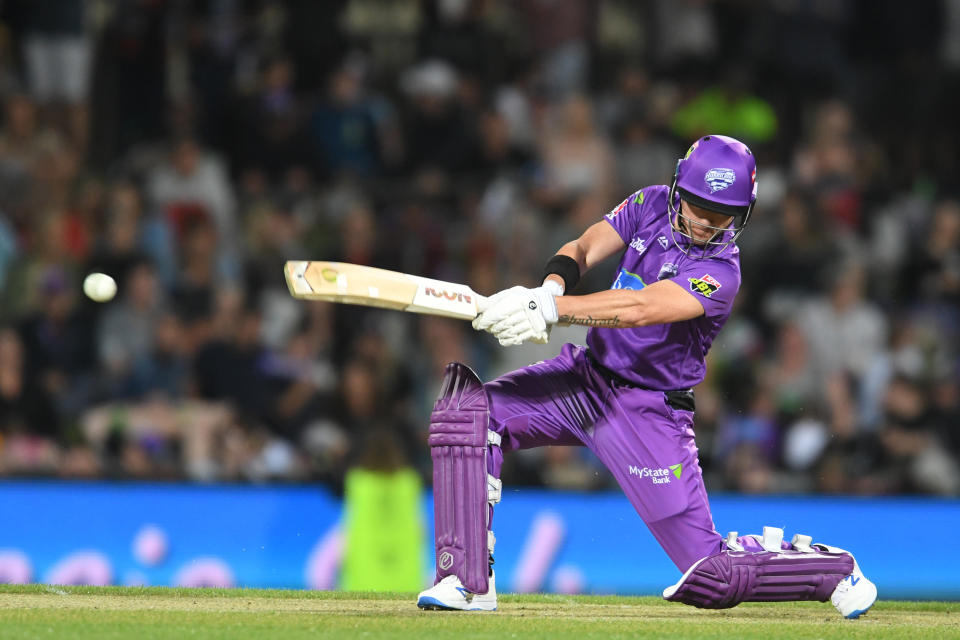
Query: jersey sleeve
[627,217]
[713,283]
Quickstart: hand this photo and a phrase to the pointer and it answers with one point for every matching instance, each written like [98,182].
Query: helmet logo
[719,178]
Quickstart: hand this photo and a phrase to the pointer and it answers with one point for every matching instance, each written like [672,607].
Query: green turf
[38,611]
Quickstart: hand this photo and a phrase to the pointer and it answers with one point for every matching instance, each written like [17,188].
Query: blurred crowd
[188,148]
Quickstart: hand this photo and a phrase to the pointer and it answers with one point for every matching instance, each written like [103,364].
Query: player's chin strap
[758,569]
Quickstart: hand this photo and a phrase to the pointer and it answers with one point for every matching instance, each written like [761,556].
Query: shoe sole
[856,613]
[432,604]
[853,615]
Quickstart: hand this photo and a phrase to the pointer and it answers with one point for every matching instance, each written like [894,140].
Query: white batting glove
[519,314]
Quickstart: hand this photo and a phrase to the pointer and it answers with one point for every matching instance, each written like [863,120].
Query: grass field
[39,611]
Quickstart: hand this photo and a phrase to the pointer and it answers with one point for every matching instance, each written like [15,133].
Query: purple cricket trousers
[647,445]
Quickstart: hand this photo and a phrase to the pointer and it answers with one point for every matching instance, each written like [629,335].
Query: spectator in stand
[228,367]
[792,267]
[193,185]
[577,159]
[343,127]
[195,288]
[119,249]
[917,456]
[933,267]
[439,138]
[643,155]
[127,329]
[21,132]
[165,371]
[19,148]
[845,331]
[57,53]
[44,252]
[829,165]
[29,427]
[790,375]
[59,337]
[271,123]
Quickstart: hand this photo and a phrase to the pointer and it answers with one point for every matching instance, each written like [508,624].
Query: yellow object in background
[384,532]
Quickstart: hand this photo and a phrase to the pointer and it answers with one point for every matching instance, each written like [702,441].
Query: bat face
[372,287]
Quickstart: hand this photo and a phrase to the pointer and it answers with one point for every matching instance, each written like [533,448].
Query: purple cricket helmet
[717,173]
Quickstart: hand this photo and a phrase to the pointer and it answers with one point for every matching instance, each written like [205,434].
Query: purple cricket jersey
[664,356]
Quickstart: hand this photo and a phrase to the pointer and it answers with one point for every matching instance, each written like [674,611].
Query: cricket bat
[372,287]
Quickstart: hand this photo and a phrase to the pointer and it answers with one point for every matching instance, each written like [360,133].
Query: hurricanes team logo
[719,179]
[668,270]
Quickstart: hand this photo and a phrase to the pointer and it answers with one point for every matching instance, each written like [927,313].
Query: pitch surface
[38,611]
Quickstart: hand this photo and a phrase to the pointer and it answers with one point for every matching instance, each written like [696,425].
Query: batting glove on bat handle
[545,298]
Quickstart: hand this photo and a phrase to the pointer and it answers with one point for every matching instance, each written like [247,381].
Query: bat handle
[481,302]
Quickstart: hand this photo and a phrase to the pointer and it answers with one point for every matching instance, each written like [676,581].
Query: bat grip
[481,302]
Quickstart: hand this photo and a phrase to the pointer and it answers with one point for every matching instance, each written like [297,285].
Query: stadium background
[189,148]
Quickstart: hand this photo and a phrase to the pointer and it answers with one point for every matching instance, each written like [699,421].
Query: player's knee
[460,415]
[744,573]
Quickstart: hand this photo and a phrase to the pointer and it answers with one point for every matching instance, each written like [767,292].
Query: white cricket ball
[99,287]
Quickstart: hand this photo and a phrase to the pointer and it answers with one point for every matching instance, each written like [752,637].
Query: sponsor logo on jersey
[637,244]
[668,270]
[638,199]
[613,214]
[706,285]
[657,476]
[719,178]
[627,280]
[663,241]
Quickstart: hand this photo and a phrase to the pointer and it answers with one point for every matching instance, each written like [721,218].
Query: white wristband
[554,287]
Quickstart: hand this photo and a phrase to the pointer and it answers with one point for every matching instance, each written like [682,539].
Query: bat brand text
[449,295]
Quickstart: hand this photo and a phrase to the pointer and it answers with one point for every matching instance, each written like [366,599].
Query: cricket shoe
[854,595]
[450,594]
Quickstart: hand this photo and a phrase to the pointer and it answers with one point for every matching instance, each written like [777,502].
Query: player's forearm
[614,309]
[659,303]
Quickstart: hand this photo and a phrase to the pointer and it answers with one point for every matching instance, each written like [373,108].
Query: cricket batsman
[627,395]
